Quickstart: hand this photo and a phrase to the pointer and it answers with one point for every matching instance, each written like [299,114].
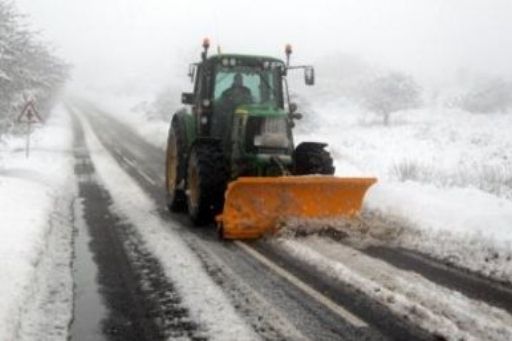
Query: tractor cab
[243,101]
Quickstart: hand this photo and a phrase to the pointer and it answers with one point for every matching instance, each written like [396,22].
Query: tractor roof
[218,57]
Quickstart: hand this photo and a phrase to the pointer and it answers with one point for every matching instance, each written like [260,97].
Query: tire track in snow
[443,312]
[142,304]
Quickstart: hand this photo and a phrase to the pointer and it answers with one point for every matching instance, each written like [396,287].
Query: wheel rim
[172,164]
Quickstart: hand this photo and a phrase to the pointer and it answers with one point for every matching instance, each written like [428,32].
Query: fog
[144,44]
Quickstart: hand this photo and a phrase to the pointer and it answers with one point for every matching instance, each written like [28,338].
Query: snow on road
[36,233]
[441,311]
[207,304]
[132,111]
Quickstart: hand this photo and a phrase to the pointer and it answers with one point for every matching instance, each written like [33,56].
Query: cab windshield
[247,85]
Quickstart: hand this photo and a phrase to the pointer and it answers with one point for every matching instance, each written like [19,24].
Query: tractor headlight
[273,134]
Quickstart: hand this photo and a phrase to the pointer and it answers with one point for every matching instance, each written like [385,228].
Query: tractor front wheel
[312,158]
[206,182]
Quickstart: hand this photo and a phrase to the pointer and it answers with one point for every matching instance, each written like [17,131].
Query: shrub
[390,93]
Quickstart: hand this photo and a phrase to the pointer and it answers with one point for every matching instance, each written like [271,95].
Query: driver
[230,99]
[237,94]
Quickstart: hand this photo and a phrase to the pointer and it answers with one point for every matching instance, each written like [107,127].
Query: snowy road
[191,285]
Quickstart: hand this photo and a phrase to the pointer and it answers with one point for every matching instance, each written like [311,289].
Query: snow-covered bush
[355,82]
[166,103]
[411,170]
[160,106]
[27,68]
[488,96]
[495,179]
[389,93]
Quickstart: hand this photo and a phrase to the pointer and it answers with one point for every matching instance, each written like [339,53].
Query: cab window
[260,83]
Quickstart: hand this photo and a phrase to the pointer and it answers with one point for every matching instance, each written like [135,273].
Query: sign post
[29,115]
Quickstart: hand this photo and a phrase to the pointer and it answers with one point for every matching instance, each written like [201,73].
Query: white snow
[445,180]
[466,226]
[431,145]
[206,302]
[36,233]
[446,313]
[132,111]
[4,76]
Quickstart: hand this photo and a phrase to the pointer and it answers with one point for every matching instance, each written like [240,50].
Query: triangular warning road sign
[29,114]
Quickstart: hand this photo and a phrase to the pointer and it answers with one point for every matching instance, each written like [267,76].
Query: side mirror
[191,71]
[292,107]
[187,98]
[309,75]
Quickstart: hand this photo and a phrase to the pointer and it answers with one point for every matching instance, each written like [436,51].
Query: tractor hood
[260,110]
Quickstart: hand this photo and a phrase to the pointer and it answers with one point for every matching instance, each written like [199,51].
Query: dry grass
[496,180]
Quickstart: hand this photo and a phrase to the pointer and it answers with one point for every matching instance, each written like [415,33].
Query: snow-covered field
[439,146]
[445,176]
[36,231]
[445,180]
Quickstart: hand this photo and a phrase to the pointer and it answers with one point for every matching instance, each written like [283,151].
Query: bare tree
[27,66]
[390,93]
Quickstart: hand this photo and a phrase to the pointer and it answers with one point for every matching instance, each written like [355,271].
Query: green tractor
[238,126]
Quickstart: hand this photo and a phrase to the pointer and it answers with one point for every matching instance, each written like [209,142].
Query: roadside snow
[445,180]
[36,233]
[462,226]
[206,302]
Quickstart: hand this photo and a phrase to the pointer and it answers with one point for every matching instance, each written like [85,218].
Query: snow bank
[206,302]
[456,210]
[35,225]
[462,226]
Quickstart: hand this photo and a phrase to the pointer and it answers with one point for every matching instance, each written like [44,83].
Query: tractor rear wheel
[312,158]
[175,166]
[206,182]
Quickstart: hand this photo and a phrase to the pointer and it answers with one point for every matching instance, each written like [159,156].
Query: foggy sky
[147,42]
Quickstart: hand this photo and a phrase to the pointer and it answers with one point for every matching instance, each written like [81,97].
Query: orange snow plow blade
[255,206]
